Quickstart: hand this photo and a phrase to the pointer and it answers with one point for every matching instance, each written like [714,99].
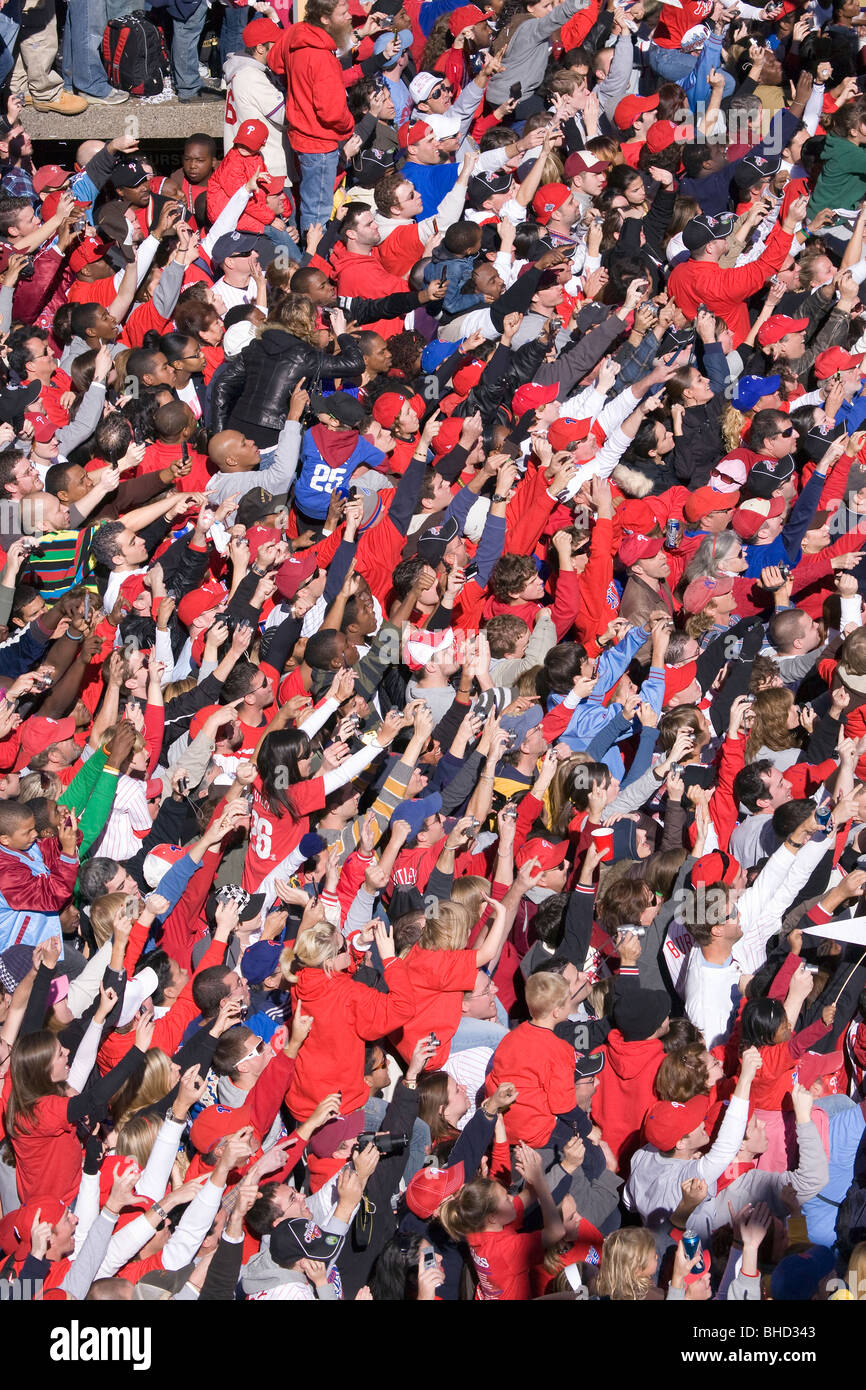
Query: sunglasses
[786,434]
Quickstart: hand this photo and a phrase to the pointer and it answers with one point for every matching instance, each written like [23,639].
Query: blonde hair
[447,929]
[43,783]
[471,892]
[626,1252]
[182,687]
[136,1138]
[314,947]
[857,1266]
[545,992]
[147,1085]
[103,913]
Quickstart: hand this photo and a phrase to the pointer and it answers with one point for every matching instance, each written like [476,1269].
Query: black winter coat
[271,368]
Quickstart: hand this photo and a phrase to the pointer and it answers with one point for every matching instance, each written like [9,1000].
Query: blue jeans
[318,175]
[82,45]
[234,19]
[670,63]
[477,1032]
[10,23]
[184,52]
[281,238]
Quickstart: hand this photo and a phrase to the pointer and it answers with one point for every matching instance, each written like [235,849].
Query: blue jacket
[785,549]
[433,182]
[317,479]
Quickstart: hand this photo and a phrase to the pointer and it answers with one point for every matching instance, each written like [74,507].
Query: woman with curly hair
[778,728]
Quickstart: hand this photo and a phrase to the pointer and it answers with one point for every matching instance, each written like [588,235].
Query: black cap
[587,1064]
[249,905]
[756,167]
[431,545]
[234,244]
[258,503]
[129,175]
[347,409]
[767,475]
[703,229]
[483,186]
[14,400]
[301,1239]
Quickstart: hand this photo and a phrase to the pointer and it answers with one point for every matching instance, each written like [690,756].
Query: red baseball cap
[707,500]
[465,17]
[750,517]
[412,133]
[811,1066]
[639,547]
[668,1122]
[49,177]
[388,408]
[549,853]
[777,326]
[296,571]
[715,867]
[448,435]
[214,1123]
[206,596]
[468,376]
[532,395]
[835,359]
[39,732]
[660,136]
[630,108]
[549,197]
[262,535]
[702,592]
[88,251]
[43,429]
[429,1188]
[251,134]
[567,431]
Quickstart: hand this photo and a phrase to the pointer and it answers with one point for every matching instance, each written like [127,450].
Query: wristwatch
[410,1085]
[500,497]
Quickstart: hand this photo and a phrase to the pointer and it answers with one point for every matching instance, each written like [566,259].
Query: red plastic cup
[604,842]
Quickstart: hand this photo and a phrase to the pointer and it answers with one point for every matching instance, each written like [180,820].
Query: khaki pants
[37,50]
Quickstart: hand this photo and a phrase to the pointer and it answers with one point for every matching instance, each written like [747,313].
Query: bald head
[231,452]
[86,150]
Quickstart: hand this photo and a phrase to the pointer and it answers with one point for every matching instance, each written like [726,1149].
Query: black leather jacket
[257,391]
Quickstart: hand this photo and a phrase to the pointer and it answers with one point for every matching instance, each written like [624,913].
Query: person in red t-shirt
[540,1064]
[491,1223]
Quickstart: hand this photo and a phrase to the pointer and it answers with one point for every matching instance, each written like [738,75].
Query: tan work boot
[65,104]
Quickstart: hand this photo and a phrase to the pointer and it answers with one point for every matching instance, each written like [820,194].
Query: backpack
[134,55]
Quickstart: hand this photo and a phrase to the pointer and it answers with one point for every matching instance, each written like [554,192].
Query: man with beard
[318,119]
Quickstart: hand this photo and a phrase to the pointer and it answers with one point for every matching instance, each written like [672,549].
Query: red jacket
[725,291]
[625,1092]
[345,1015]
[318,119]
[363,275]
[231,174]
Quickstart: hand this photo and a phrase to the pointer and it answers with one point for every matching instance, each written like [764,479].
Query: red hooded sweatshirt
[345,1015]
[625,1093]
[231,174]
[318,119]
[365,276]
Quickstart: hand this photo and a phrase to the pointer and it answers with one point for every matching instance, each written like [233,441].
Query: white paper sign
[853,931]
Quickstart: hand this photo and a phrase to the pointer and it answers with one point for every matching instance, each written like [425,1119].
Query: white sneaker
[116,98]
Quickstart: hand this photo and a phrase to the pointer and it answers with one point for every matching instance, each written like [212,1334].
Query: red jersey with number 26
[273,836]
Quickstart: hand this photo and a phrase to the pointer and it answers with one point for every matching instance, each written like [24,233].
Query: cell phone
[515,91]
[429,1261]
[86,607]
[813,969]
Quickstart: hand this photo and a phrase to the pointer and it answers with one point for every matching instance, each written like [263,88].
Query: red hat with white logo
[548,199]
[251,135]
[532,395]
[549,853]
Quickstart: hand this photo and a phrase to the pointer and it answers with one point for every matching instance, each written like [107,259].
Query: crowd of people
[433,723]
